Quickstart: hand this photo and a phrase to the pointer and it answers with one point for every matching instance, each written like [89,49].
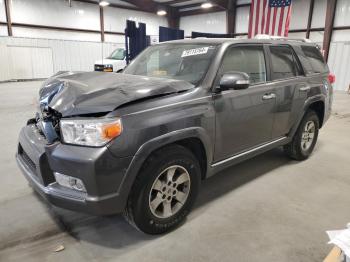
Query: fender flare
[308,102]
[146,149]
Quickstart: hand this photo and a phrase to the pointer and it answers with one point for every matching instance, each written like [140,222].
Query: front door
[244,118]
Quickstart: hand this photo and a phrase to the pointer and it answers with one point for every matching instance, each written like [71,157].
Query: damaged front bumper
[101,172]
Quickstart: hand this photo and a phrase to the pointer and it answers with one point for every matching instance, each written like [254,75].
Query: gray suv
[141,141]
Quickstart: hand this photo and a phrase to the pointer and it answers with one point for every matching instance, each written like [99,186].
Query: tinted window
[315,59]
[248,59]
[283,62]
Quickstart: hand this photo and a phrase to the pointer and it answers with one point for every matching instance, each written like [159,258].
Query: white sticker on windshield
[195,51]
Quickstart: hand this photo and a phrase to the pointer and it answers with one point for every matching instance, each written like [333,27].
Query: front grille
[99,67]
[26,158]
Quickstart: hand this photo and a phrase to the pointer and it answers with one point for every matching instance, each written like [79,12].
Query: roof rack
[270,37]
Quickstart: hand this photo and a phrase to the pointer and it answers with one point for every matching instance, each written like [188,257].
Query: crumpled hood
[94,92]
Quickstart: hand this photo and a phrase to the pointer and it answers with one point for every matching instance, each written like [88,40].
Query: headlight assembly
[90,132]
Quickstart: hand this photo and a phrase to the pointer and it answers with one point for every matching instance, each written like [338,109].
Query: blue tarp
[135,39]
[168,34]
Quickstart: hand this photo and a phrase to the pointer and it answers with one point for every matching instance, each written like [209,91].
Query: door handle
[269,96]
[304,88]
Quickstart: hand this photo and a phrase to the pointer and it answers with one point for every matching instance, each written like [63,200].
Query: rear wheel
[305,138]
[164,191]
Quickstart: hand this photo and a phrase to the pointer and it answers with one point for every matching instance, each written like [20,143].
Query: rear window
[283,63]
[314,61]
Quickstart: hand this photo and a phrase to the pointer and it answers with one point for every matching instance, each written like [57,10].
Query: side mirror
[234,80]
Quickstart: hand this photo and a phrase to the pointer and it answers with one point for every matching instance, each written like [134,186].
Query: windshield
[118,54]
[187,62]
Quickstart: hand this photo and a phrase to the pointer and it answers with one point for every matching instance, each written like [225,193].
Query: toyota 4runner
[140,142]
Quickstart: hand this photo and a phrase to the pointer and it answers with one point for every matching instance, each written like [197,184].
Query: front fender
[150,146]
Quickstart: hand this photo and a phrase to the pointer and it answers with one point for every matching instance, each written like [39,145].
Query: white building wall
[206,23]
[342,17]
[38,53]
[3,30]
[118,39]
[339,64]
[319,14]
[27,58]
[300,13]
[55,34]
[56,13]
[81,15]
[2,11]
[242,19]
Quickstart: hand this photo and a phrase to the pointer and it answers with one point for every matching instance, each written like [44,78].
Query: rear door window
[247,59]
[283,63]
[315,62]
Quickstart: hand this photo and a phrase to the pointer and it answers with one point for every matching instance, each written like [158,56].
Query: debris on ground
[59,248]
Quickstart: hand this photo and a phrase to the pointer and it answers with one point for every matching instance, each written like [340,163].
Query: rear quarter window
[283,63]
[313,60]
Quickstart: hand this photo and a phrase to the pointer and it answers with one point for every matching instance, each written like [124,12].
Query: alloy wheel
[169,191]
[308,135]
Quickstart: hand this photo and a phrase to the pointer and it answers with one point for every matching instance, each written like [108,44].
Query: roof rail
[270,37]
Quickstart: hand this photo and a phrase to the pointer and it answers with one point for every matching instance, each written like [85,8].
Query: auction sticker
[195,51]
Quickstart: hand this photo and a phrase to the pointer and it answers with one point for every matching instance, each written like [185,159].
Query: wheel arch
[319,108]
[194,138]
[316,103]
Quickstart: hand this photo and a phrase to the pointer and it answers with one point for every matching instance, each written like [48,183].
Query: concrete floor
[266,209]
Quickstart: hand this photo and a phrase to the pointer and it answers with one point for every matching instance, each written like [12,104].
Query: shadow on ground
[114,232]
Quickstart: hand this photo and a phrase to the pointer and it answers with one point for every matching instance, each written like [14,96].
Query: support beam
[173,2]
[244,5]
[8,17]
[173,22]
[222,3]
[328,31]
[201,11]
[173,18]
[144,5]
[110,5]
[68,29]
[309,20]
[198,6]
[151,6]
[231,17]
[102,24]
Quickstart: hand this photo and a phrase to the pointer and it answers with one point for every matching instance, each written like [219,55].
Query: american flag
[269,17]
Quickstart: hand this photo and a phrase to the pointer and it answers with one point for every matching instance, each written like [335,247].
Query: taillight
[331,78]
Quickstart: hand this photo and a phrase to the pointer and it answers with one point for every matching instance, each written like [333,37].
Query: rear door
[244,118]
[290,86]
[317,73]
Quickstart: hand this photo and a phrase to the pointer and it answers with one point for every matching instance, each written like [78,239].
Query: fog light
[70,182]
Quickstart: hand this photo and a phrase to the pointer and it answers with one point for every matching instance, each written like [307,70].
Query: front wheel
[305,138]
[164,191]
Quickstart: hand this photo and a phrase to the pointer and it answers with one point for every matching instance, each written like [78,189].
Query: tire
[299,149]
[148,203]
